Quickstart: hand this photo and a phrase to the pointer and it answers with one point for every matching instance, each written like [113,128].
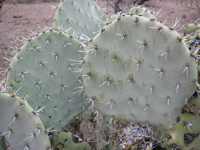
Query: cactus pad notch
[142,70]
[46,77]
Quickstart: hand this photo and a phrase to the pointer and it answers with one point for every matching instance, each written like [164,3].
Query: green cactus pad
[140,69]
[191,27]
[64,141]
[43,68]
[22,129]
[185,133]
[78,16]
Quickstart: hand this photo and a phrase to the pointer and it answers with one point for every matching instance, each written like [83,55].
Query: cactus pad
[139,70]
[78,16]
[43,68]
[20,126]
[185,133]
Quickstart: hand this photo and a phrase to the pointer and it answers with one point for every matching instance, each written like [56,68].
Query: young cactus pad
[78,16]
[64,141]
[185,133]
[191,27]
[22,129]
[43,68]
[140,70]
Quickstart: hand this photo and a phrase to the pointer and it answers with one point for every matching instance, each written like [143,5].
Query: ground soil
[18,20]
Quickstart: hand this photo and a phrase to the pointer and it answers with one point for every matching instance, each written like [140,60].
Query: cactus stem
[166,54]
[177,87]
[186,69]
[83,107]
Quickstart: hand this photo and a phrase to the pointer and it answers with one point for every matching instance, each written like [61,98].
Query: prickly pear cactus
[185,133]
[20,125]
[78,16]
[64,141]
[44,70]
[191,27]
[141,11]
[139,70]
